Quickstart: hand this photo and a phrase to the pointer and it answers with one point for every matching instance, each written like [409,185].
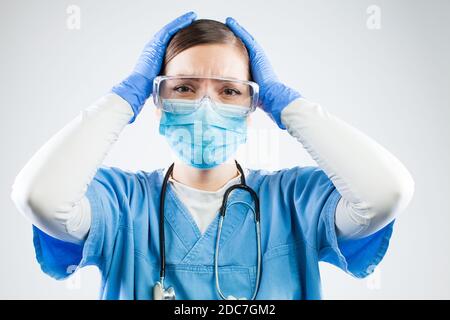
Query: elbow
[393,201]
[401,194]
[30,202]
[20,196]
[40,208]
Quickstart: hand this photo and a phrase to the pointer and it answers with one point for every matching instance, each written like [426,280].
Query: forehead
[210,60]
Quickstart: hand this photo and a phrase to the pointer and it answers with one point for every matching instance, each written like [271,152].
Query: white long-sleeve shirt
[50,189]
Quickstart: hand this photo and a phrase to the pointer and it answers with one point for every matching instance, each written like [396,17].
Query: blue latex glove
[274,95]
[138,86]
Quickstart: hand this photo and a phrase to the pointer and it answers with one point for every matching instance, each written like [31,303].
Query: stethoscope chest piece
[159,293]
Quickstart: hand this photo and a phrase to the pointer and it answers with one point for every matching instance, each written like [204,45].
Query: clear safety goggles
[184,94]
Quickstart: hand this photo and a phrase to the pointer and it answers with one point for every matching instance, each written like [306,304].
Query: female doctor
[206,228]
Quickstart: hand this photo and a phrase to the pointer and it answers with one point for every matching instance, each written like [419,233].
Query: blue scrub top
[297,228]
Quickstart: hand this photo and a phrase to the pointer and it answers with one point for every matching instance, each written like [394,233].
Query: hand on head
[137,87]
[274,95]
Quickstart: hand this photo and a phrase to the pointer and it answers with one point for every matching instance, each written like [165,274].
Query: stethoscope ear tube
[241,186]
[162,240]
[256,211]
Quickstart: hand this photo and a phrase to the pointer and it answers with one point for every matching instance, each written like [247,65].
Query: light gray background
[392,83]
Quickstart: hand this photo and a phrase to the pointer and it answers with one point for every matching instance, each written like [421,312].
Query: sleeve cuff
[60,259]
[357,257]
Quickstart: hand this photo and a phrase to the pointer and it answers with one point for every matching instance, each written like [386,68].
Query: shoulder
[125,179]
[297,174]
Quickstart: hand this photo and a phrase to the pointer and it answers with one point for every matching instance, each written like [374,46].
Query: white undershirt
[202,205]
[50,189]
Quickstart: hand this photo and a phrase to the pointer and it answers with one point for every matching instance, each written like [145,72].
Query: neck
[205,179]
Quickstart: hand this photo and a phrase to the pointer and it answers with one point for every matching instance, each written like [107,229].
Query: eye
[232,92]
[182,89]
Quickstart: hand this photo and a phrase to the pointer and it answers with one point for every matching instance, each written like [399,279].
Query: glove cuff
[278,97]
[135,89]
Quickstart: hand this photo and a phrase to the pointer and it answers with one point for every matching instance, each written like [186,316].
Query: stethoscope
[159,291]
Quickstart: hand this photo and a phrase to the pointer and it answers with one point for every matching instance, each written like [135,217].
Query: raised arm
[375,186]
[50,189]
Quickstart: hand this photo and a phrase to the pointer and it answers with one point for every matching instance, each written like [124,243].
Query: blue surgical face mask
[202,138]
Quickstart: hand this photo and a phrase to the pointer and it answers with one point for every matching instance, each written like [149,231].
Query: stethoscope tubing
[223,208]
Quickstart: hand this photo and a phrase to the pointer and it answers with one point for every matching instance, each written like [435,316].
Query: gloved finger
[261,67]
[174,26]
[242,33]
[151,58]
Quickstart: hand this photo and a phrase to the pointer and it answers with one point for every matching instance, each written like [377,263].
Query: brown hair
[202,31]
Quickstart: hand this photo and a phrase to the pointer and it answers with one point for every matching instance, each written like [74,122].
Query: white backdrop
[381,66]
